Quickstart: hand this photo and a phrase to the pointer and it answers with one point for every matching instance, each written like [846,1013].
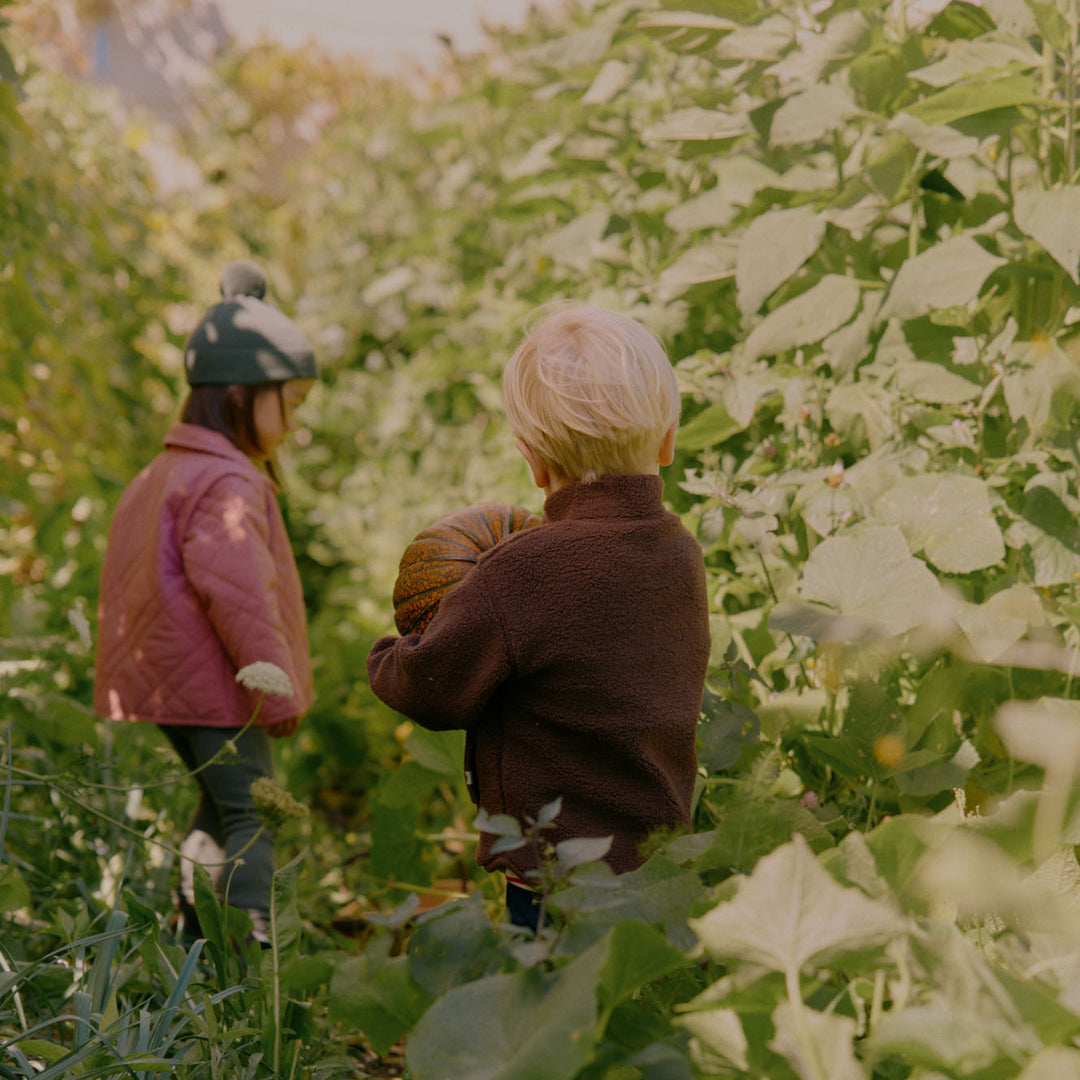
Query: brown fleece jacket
[574,655]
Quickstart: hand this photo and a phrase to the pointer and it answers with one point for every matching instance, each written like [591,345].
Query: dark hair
[230,411]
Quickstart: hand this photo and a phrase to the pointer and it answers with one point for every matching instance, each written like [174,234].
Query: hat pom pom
[242,278]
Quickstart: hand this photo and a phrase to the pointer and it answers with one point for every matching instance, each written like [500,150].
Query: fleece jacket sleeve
[444,678]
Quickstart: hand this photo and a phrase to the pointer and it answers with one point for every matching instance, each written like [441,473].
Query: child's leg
[523,906]
[204,843]
[226,811]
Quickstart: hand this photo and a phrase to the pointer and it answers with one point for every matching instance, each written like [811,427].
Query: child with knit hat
[200,586]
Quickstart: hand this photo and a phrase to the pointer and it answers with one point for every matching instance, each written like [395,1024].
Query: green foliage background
[854,225]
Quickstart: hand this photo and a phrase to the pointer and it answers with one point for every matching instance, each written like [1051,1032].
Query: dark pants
[225,810]
[523,907]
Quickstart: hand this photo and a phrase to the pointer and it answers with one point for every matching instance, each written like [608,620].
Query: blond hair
[591,391]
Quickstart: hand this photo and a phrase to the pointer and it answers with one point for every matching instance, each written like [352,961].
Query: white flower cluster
[80,624]
[262,675]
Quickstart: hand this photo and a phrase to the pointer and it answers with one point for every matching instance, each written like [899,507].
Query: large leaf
[973,57]
[575,244]
[1053,219]
[816,1044]
[713,260]
[933,384]
[810,317]
[457,944]
[378,995]
[871,576]
[284,914]
[1034,372]
[949,274]
[721,1031]
[969,99]
[948,1038]
[1045,732]
[998,623]
[790,913]
[637,954]
[530,1025]
[774,246]
[697,125]
[941,141]
[948,517]
[1053,1063]
[712,426]
[812,115]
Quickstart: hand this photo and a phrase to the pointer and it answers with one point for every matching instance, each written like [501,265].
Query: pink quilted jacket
[199,581]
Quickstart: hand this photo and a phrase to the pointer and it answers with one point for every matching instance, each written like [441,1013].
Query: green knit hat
[244,340]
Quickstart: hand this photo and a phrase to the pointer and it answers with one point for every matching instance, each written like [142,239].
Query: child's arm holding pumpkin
[444,678]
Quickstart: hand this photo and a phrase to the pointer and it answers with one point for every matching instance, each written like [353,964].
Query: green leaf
[998,623]
[576,243]
[721,1032]
[49,1052]
[637,954]
[581,850]
[1052,24]
[441,752]
[811,316]
[14,892]
[660,892]
[1035,371]
[1045,732]
[974,57]
[457,945]
[379,996]
[948,274]
[711,427]
[816,1044]
[497,824]
[285,915]
[970,99]
[812,115]
[725,728]
[1053,219]
[790,913]
[870,575]
[933,384]
[751,827]
[940,141]
[713,260]
[898,844]
[738,11]
[773,247]
[530,1025]
[1053,1062]
[862,410]
[946,516]
[944,1037]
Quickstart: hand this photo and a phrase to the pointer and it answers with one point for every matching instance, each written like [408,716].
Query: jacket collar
[623,496]
[203,440]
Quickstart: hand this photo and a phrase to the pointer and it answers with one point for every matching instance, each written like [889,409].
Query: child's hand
[281,729]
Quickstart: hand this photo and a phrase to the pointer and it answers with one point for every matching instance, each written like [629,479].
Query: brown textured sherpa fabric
[574,655]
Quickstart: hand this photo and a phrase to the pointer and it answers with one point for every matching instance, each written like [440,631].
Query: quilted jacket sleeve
[444,678]
[229,563]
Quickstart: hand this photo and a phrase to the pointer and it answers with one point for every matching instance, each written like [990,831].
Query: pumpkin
[443,553]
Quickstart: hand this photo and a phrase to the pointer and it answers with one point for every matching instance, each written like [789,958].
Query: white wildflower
[80,624]
[262,675]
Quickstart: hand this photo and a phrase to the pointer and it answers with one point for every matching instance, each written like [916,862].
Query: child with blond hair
[574,653]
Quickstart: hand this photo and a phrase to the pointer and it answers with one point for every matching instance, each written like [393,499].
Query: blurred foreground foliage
[854,225]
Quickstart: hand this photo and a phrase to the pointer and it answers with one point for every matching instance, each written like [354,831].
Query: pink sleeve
[228,562]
